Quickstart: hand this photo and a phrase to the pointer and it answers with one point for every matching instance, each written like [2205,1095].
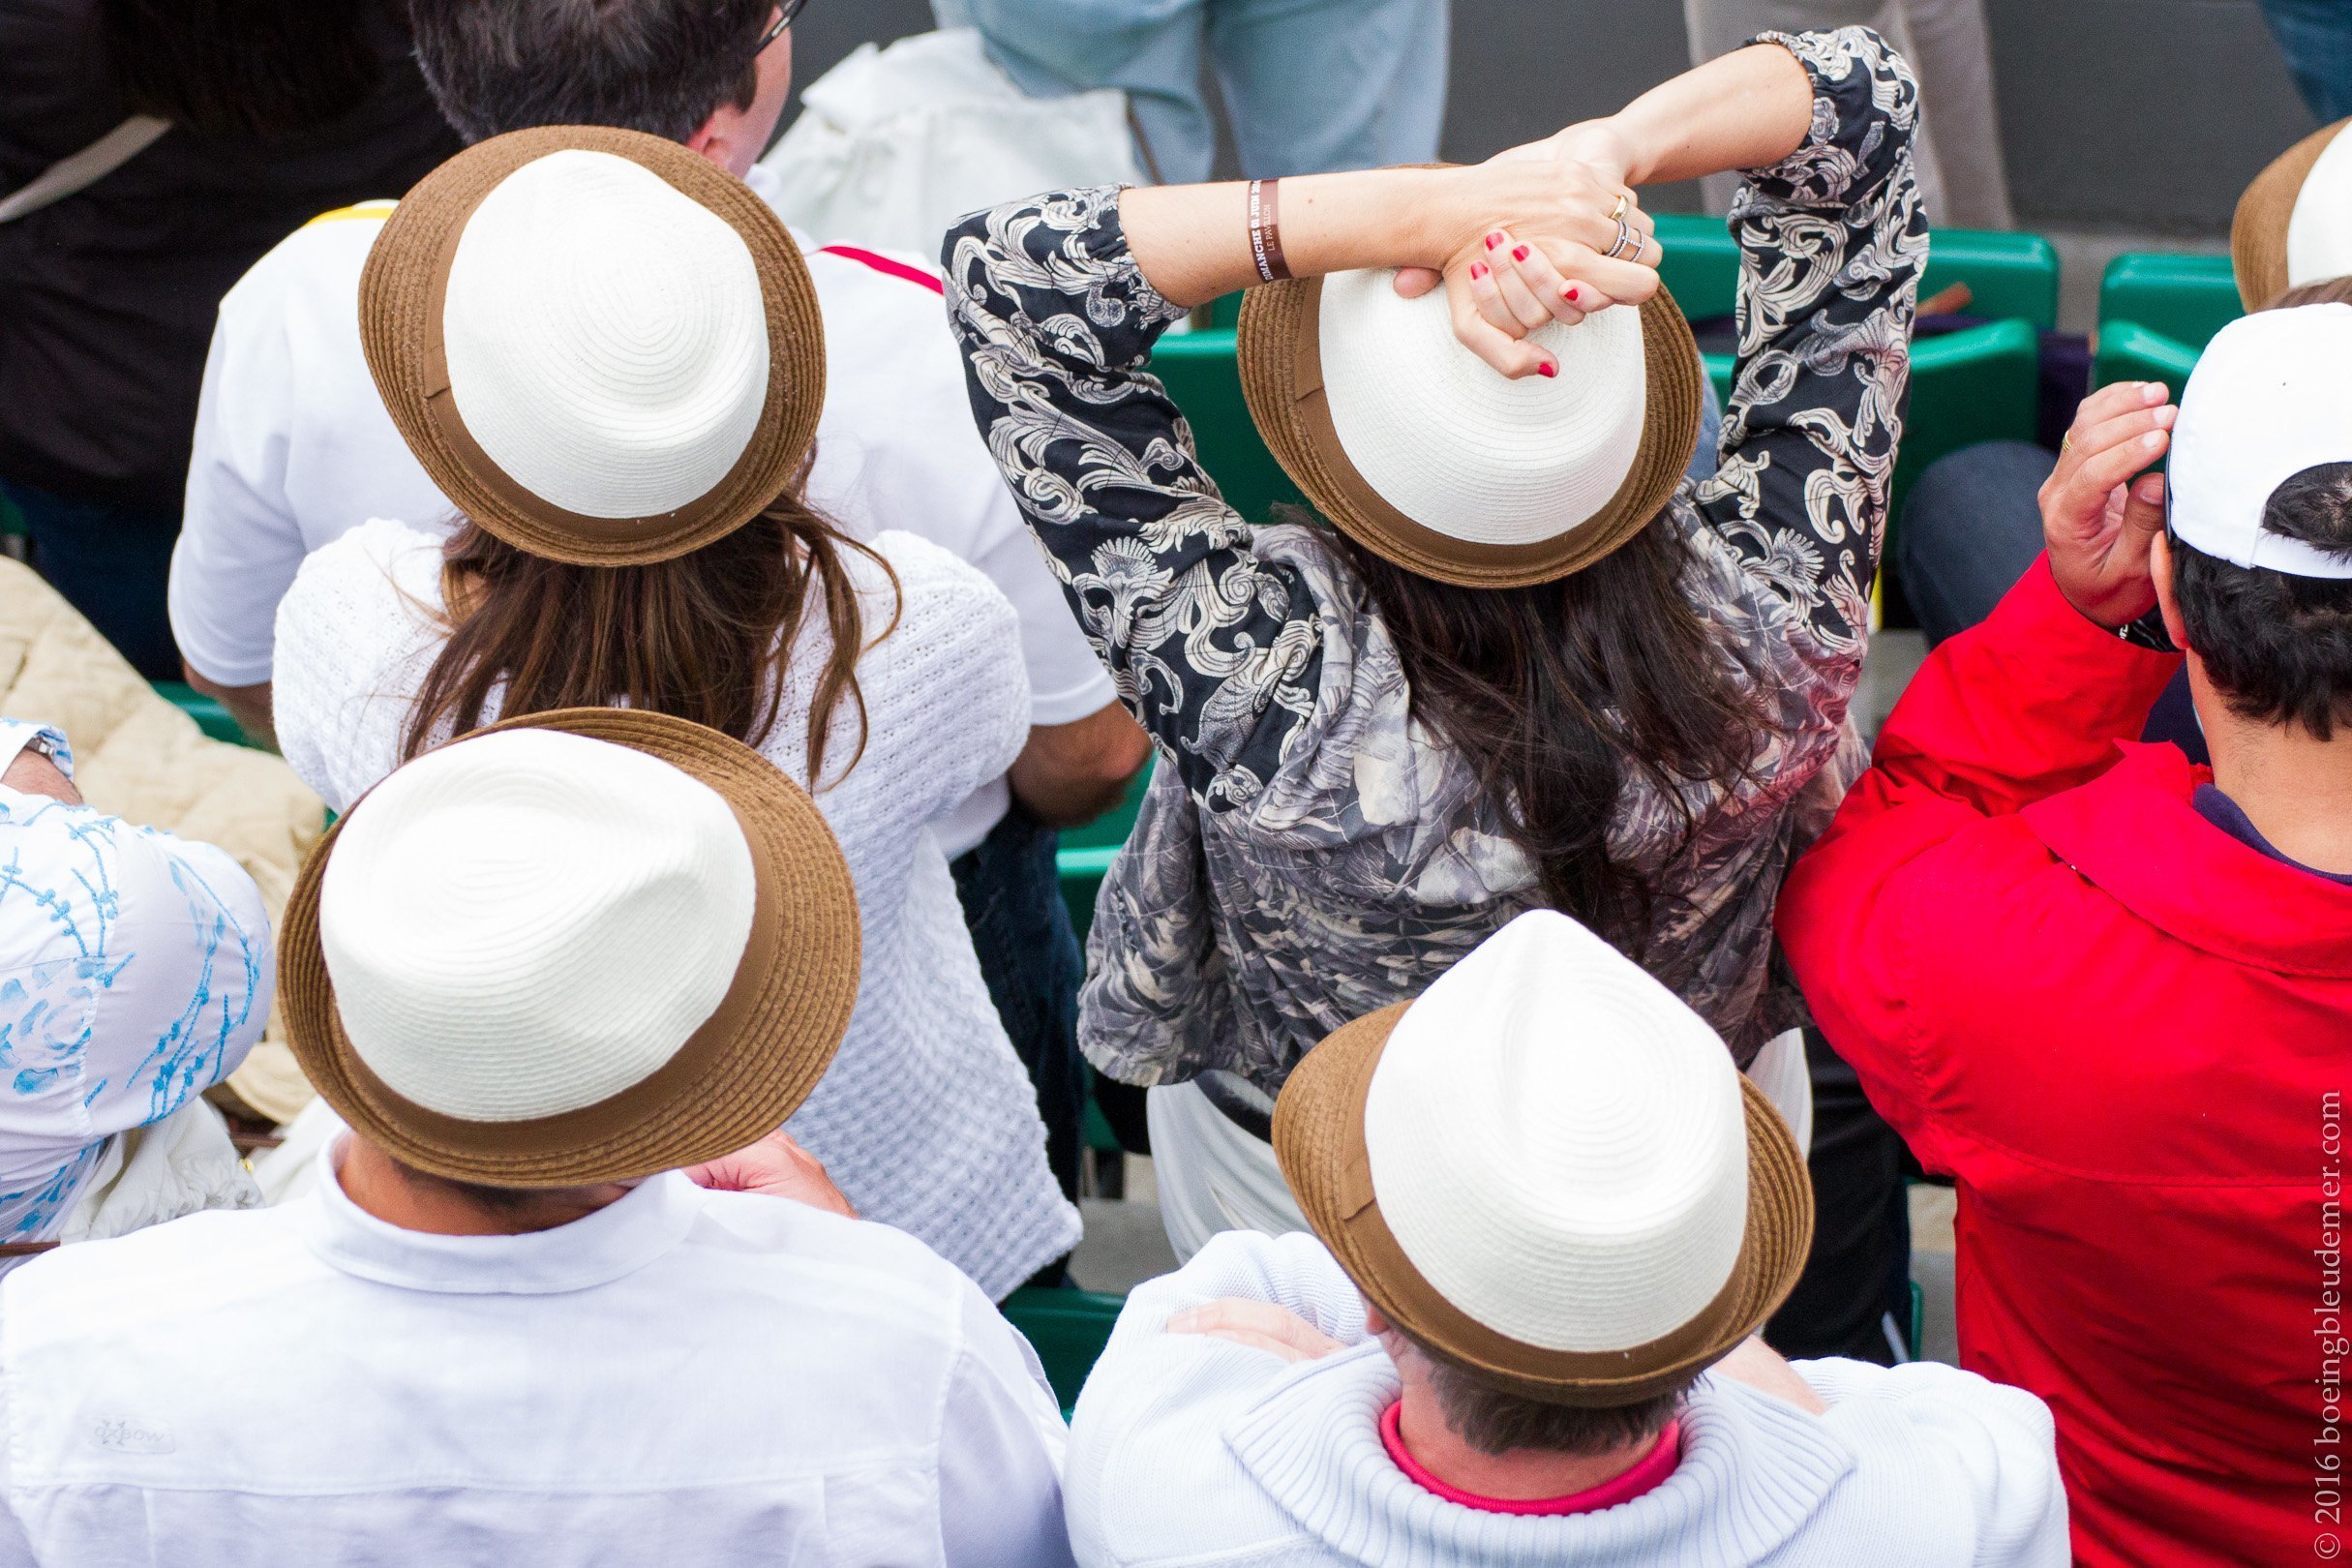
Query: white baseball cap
[2271,396]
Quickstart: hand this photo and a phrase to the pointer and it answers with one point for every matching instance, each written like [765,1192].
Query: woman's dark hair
[1555,694]
[703,637]
[1496,1421]
[662,66]
[256,67]
[2279,647]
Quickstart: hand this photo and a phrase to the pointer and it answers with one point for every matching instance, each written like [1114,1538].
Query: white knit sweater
[926,1117]
[1196,1450]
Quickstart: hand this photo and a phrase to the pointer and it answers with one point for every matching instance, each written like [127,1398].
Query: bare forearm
[249,706]
[1746,110]
[1068,774]
[1193,241]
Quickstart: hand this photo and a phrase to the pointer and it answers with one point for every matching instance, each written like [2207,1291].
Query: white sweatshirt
[1190,1449]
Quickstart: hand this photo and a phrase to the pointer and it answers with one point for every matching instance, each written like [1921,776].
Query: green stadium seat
[1981,383]
[211,717]
[2128,351]
[1069,1329]
[1203,376]
[2010,274]
[2185,298]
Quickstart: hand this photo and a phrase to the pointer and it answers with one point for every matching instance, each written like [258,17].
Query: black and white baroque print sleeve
[1214,651]
[1831,240]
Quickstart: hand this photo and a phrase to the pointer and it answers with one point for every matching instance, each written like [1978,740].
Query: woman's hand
[1259,1324]
[777,1167]
[2098,523]
[1551,219]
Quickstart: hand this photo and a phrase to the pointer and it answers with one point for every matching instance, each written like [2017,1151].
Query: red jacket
[2127,1037]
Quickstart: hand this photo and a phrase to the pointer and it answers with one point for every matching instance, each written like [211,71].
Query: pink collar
[1646,1476]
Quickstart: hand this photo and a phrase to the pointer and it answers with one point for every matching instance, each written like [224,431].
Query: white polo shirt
[681,1377]
[293,448]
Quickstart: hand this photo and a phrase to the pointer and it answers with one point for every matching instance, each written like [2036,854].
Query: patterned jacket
[1306,852]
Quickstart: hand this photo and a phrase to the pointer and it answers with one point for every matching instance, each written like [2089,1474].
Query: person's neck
[1521,1475]
[2295,788]
[412,1200]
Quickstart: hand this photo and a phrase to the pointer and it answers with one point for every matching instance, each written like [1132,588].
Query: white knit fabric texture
[1192,1450]
[926,1117]
[606,336]
[1466,452]
[1559,1143]
[2319,231]
[531,923]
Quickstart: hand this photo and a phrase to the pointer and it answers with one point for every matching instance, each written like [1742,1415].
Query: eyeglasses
[785,13]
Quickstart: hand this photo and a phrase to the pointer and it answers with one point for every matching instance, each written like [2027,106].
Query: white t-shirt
[294,449]
[682,1376]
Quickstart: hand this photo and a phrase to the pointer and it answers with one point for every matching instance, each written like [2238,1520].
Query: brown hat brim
[2258,229]
[735,1080]
[402,290]
[1318,1136]
[1280,344]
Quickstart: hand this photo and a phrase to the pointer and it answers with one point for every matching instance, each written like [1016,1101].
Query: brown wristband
[1266,231]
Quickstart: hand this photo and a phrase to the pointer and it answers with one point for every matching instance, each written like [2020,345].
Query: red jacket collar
[2134,833]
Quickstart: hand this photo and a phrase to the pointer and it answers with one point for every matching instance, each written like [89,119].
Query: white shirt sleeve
[1995,1444]
[1001,1446]
[240,543]
[15,1548]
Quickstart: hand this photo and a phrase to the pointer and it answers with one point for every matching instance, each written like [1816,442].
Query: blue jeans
[2315,35]
[1310,86]
[113,563]
[1971,526]
[1031,959]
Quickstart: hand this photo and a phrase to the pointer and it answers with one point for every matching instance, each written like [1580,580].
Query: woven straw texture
[1281,379]
[401,299]
[2258,230]
[735,1082]
[1318,1136]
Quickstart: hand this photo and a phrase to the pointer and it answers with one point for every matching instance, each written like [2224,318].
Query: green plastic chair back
[211,717]
[1068,1329]
[1982,383]
[2128,351]
[2011,275]
[2185,298]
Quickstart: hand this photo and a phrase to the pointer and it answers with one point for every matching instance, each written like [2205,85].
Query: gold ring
[1616,214]
[2064,443]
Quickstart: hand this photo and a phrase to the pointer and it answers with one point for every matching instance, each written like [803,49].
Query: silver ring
[1625,233]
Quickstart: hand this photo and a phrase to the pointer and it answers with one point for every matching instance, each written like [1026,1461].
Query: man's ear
[2159,567]
[1374,1323]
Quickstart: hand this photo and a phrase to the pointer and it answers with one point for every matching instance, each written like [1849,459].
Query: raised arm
[1057,302]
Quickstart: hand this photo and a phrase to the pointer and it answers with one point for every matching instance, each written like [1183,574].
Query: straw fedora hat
[578,947]
[1547,1172]
[601,347]
[2294,223]
[1420,452]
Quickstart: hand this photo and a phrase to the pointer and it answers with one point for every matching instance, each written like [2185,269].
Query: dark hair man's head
[1495,1421]
[2277,647]
[692,70]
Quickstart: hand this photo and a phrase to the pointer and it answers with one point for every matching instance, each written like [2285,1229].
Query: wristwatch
[2147,632]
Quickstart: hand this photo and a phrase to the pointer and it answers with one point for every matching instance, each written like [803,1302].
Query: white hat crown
[606,336]
[2319,227]
[2271,396]
[1461,450]
[531,922]
[1559,1144]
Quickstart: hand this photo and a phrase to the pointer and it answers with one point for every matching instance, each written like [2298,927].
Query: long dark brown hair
[1555,695]
[703,637]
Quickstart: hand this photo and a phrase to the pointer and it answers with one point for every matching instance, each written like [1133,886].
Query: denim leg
[1317,85]
[1031,959]
[1971,526]
[113,563]
[2315,35]
[1150,49]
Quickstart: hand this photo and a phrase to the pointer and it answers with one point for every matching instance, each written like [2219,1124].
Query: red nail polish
[1548,370]
[1518,253]
[1570,292]
[1494,239]
[1478,270]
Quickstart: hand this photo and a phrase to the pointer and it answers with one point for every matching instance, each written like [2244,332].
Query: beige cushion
[137,757]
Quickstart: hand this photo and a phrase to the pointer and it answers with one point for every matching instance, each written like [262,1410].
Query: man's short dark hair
[2277,647]
[658,66]
[1495,1421]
